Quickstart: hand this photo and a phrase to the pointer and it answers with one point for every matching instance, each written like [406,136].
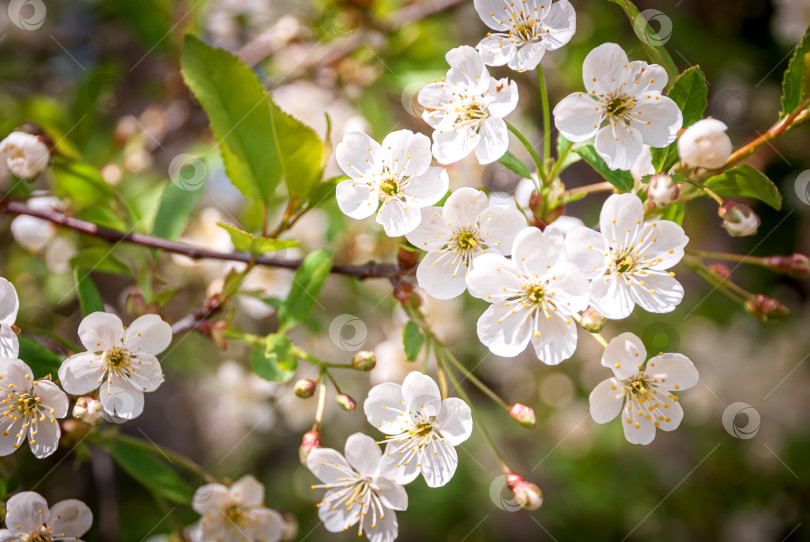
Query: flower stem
[474,379]
[754,260]
[575,193]
[174,457]
[732,290]
[541,80]
[541,172]
[321,403]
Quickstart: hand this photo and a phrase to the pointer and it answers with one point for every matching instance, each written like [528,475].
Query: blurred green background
[103,78]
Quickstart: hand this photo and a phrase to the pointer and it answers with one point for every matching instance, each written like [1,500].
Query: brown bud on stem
[794,265]
[364,360]
[346,402]
[305,388]
[766,309]
[720,269]
[738,219]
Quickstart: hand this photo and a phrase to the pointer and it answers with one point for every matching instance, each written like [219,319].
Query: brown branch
[365,271]
[774,131]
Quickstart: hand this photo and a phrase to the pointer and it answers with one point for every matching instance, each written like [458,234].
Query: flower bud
[662,190]
[720,269]
[305,388]
[738,219]
[591,321]
[705,144]
[527,495]
[523,415]
[794,265]
[364,360]
[290,526]
[310,441]
[403,292]
[407,259]
[88,410]
[766,309]
[26,155]
[346,402]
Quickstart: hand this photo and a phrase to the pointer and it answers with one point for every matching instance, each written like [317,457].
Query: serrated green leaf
[412,340]
[656,52]
[691,93]
[622,180]
[100,259]
[795,80]
[152,470]
[307,283]
[511,161]
[80,182]
[176,206]
[275,362]
[89,298]
[255,244]
[41,360]
[301,152]
[748,182]
[238,108]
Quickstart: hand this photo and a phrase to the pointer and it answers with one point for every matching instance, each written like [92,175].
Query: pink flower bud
[346,402]
[88,410]
[766,309]
[527,495]
[523,415]
[591,321]
[662,190]
[364,360]
[305,388]
[720,269]
[794,265]
[310,441]
[738,219]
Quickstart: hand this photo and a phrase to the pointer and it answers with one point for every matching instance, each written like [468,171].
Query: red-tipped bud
[407,259]
[720,269]
[310,441]
[794,265]
[527,495]
[766,309]
[662,190]
[346,402]
[364,360]
[523,415]
[738,219]
[592,321]
[88,410]
[305,388]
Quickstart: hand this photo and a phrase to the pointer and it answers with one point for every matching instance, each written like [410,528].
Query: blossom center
[389,186]
[536,293]
[620,107]
[466,240]
[638,389]
[42,535]
[27,404]
[118,357]
[236,514]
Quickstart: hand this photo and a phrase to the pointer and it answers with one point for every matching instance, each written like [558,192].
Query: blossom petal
[100,331]
[9,303]
[498,227]
[26,511]
[427,188]
[81,373]
[621,219]
[363,454]
[494,278]
[606,400]
[432,233]
[392,494]
[120,398]
[638,429]
[16,374]
[339,517]
[405,153]
[210,497]
[662,241]
[658,119]
[619,146]
[356,155]
[70,518]
[611,297]
[528,56]
[494,140]
[578,116]
[419,388]
[452,145]
[496,49]
[51,397]
[587,251]
[455,421]
[247,490]
[491,12]
[148,333]
[466,66]
[439,461]
[385,408]
[505,329]
[674,371]
[398,218]
[442,274]
[264,524]
[145,372]
[9,343]
[380,528]
[624,354]
[646,78]
[464,207]
[554,338]
[505,97]
[534,252]
[328,465]
[601,67]
[669,417]
[356,199]
[660,293]
[558,25]
[400,462]
[12,435]
[43,436]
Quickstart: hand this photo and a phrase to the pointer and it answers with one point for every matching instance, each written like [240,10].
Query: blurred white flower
[524,32]
[791,20]
[358,490]
[646,392]
[31,412]
[25,154]
[626,98]
[520,196]
[37,235]
[231,23]
[121,362]
[29,519]
[9,306]
[705,144]
[466,109]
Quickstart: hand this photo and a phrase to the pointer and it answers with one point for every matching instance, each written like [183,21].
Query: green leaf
[325,191]
[238,108]
[276,361]
[151,469]
[104,216]
[511,161]
[255,244]
[412,340]
[622,180]
[41,360]
[80,182]
[748,182]
[675,213]
[567,150]
[301,152]
[100,259]
[176,207]
[307,283]
[795,80]
[89,298]
[652,43]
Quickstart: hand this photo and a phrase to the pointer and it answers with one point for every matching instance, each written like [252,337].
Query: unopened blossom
[534,298]
[120,362]
[423,430]
[235,513]
[358,492]
[395,176]
[40,236]
[662,190]
[30,519]
[628,259]
[30,410]
[623,107]
[456,234]
[524,31]
[739,219]
[466,109]
[527,495]
[705,144]
[25,154]
[643,394]
[88,410]
[9,306]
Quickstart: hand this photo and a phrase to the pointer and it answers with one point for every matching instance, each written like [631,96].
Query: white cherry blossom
[9,306]
[645,391]
[358,492]
[31,408]
[466,109]
[235,513]
[396,177]
[705,144]
[25,154]
[623,107]
[30,519]
[628,260]
[454,235]
[534,297]
[525,30]
[120,361]
[423,430]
